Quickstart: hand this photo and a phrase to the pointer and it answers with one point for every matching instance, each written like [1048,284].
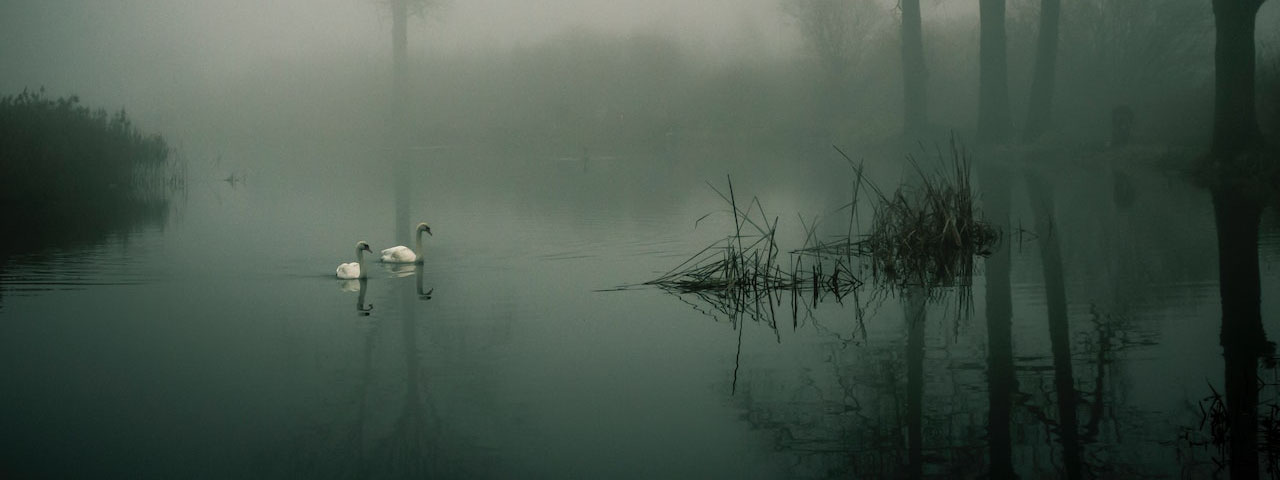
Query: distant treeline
[602,92]
[67,168]
[593,88]
[589,89]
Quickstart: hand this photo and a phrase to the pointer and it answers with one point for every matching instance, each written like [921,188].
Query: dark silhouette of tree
[1040,109]
[837,34]
[1235,120]
[1238,173]
[399,52]
[993,76]
[401,10]
[834,30]
[399,127]
[914,74]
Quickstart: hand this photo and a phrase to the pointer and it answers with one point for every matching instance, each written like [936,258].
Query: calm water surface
[220,345]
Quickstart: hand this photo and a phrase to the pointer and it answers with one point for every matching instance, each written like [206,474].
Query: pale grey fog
[639,239]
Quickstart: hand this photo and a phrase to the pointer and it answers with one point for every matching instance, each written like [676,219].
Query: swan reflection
[422,295]
[360,286]
[361,307]
[351,285]
[399,270]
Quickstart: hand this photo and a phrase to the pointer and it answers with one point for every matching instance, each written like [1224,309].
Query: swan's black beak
[367,249]
[429,231]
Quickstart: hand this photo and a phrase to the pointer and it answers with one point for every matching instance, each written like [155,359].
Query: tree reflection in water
[939,398]
[387,425]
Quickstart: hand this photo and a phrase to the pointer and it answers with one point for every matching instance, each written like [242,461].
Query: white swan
[352,270]
[402,254]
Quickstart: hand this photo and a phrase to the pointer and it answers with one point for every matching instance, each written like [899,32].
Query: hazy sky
[711,23]
[240,28]
[92,46]
[159,58]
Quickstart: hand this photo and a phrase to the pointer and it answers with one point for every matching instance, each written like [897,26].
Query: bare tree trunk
[993,74]
[1040,110]
[1235,119]
[914,75]
[1236,138]
[399,54]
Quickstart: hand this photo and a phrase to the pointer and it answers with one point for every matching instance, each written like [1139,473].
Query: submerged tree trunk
[1059,334]
[407,451]
[1242,336]
[1242,409]
[914,308]
[915,102]
[999,305]
[993,74]
[1237,216]
[1040,109]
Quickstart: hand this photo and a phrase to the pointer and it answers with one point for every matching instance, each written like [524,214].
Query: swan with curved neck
[353,270]
[402,254]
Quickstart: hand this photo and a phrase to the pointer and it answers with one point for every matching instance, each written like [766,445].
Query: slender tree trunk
[399,117]
[1040,109]
[1059,333]
[914,75]
[399,56]
[993,74]
[402,194]
[999,305]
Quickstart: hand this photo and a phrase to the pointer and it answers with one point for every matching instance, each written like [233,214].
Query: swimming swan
[352,270]
[402,254]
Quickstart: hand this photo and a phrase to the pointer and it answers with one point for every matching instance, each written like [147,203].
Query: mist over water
[184,319]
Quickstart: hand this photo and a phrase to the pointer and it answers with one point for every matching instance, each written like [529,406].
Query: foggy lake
[193,326]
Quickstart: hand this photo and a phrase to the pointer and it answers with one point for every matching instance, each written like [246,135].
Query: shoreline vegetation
[70,173]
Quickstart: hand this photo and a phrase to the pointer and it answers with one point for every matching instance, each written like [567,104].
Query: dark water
[220,345]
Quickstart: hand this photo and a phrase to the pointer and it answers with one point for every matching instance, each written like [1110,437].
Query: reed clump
[740,275]
[746,260]
[927,233]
